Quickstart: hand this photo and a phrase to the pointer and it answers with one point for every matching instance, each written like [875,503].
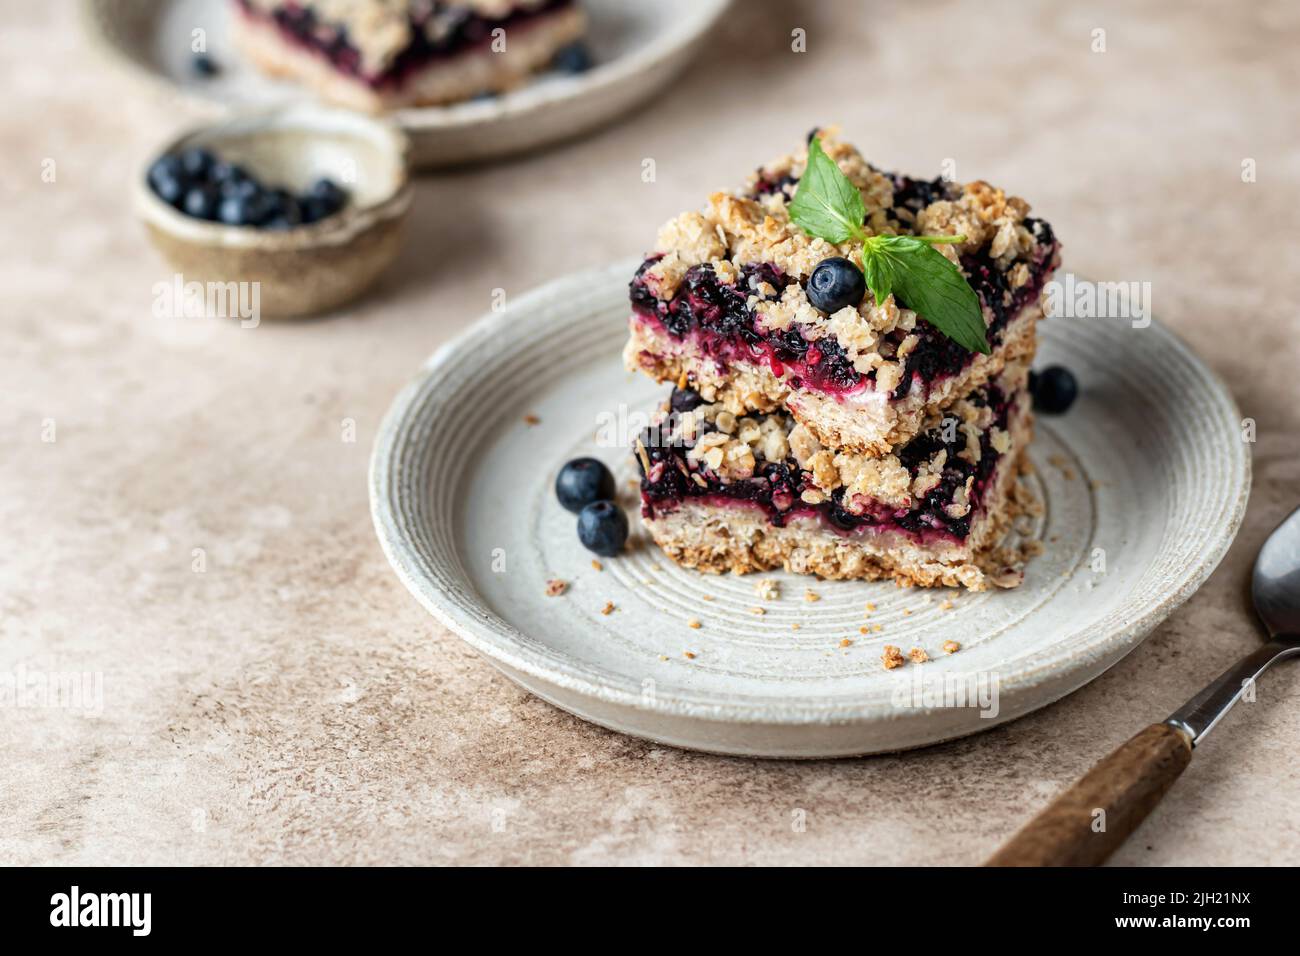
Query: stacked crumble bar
[862,444]
[379,55]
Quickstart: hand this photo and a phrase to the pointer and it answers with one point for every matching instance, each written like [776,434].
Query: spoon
[1088,822]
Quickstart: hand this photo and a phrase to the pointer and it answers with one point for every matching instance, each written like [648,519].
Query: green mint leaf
[878,270]
[929,284]
[826,204]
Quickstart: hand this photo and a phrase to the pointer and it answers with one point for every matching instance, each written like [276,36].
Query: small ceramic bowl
[308,269]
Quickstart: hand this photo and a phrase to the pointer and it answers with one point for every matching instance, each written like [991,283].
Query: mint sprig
[828,206]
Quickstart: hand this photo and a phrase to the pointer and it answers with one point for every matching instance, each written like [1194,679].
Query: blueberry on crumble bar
[379,55]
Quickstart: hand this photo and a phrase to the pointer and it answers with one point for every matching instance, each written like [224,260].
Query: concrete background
[294,705]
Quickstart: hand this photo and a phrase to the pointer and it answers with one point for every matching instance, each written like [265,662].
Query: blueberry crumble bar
[724,303]
[727,492]
[380,55]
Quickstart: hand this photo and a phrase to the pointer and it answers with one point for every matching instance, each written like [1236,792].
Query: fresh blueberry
[197,162]
[204,65]
[313,209]
[240,188]
[685,399]
[223,172]
[282,210]
[602,528]
[1054,389]
[201,201]
[574,58]
[170,191]
[330,192]
[165,167]
[241,210]
[582,481]
[835,283]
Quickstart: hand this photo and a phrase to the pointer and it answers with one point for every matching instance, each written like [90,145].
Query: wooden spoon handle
[1088,822]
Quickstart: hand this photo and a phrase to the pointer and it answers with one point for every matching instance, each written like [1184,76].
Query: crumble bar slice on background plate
[379,55]
[752,493]
[722,304]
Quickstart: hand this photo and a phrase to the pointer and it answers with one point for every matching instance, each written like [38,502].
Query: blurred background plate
[637,47]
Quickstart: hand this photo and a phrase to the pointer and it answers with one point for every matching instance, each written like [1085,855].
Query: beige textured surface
[293,705]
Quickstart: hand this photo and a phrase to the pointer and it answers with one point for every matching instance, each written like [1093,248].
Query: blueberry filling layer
[777,487]
[461,29]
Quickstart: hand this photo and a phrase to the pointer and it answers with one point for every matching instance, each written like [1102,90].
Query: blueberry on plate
[204,65]
[835,283]
[1054,389]
[582,481]
[197,162]
[602,528]
[201,201]
[574,58]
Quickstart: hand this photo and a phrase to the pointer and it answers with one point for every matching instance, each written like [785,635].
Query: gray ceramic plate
[1145,481]
[638,48]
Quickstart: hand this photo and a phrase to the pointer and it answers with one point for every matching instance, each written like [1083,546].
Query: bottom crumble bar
[721,493]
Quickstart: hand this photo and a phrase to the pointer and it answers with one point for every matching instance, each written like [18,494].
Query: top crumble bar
[721,303]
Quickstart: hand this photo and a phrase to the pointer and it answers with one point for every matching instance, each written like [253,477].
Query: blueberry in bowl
[305,205]
[202,185]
